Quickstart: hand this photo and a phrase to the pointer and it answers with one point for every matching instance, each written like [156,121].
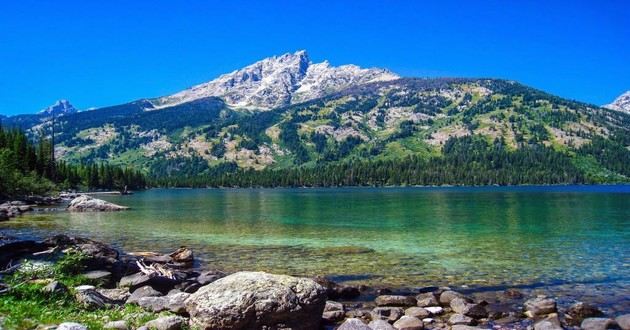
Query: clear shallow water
[401,237]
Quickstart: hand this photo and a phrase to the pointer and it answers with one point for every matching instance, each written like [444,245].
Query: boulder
[623,321]
[353,324]
[145,291]
[333,306]
[389,314]
[460,319]
[393,300]
[247,300]
[418,312]
[580,311]
[409,323]
[380,325]
[86,203]
[426,300]
[167,323]
[173,303]
[540,306]
[71,326]
[597,323]
[116,325]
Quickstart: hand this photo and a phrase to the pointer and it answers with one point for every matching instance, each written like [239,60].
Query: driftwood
[155,270]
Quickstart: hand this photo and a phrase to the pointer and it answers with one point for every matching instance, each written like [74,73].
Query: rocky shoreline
[181,297]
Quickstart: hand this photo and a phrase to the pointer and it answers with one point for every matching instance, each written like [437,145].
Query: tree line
[28,168]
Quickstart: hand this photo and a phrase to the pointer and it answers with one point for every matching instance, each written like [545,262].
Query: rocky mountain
[61,107]
[321,119]
[276,82]
[622,103]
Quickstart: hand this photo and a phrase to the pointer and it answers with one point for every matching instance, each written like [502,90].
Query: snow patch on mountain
[622,103]
[278,81]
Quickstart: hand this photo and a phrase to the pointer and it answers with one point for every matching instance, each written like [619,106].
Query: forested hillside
[399,132]
[26,168]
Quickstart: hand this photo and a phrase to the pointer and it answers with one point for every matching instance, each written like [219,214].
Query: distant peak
[621,103]
[60,107]
[278,81]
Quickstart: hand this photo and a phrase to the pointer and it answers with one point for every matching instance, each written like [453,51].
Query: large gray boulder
[252,300]
[86,203]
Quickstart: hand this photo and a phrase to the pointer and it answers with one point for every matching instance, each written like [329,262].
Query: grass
[25,306]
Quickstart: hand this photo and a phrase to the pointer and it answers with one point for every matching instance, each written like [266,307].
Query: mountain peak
[60,107]
[621,103]
[278,81]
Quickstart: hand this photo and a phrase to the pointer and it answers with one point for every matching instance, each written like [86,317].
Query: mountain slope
[278,81]
[402,131]
[61,107]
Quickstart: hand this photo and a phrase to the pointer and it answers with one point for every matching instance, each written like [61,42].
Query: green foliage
[27,168]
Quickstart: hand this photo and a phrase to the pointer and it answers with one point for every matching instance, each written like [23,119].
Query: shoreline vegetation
[77,283]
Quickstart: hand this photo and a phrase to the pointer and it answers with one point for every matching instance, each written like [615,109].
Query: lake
[565,238]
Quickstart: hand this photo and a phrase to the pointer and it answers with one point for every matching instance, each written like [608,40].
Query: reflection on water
[398,237]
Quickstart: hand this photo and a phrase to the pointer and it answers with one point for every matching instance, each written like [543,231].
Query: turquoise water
[480,237]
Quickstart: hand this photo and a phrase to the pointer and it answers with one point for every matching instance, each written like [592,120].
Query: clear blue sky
[98,53]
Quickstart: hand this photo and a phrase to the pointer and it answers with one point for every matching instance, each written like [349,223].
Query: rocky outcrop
[86,203]
[249,300]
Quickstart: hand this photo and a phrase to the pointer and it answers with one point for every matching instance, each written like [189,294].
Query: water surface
[574,236]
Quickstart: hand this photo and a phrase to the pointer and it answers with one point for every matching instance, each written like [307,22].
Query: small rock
[71,326]
[580,311]
[119,295]
[84,287]
[134,281]
[390,314]
[153,304]
[513,293]
[409,323]
[426,300]
[435,310]
[447,296]
[55,287]
[551,322]
[167,323]
[597,323]
[464,327]
[209,277]
[460,319]
[623,321]
[392,300]
[176,303]
[353,324]
[98,275]
[540,306]
[380,325]
[332,306]
[145,291]
[331,317]
[116,325]
[92,299]
[182,255]
[418,312]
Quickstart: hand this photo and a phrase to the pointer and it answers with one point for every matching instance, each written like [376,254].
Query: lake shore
[162,284]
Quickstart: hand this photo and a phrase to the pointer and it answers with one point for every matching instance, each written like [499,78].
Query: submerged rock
[86,203]
[251,300]
[580,311]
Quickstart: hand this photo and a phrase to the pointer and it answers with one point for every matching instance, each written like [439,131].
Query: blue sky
[98,53]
